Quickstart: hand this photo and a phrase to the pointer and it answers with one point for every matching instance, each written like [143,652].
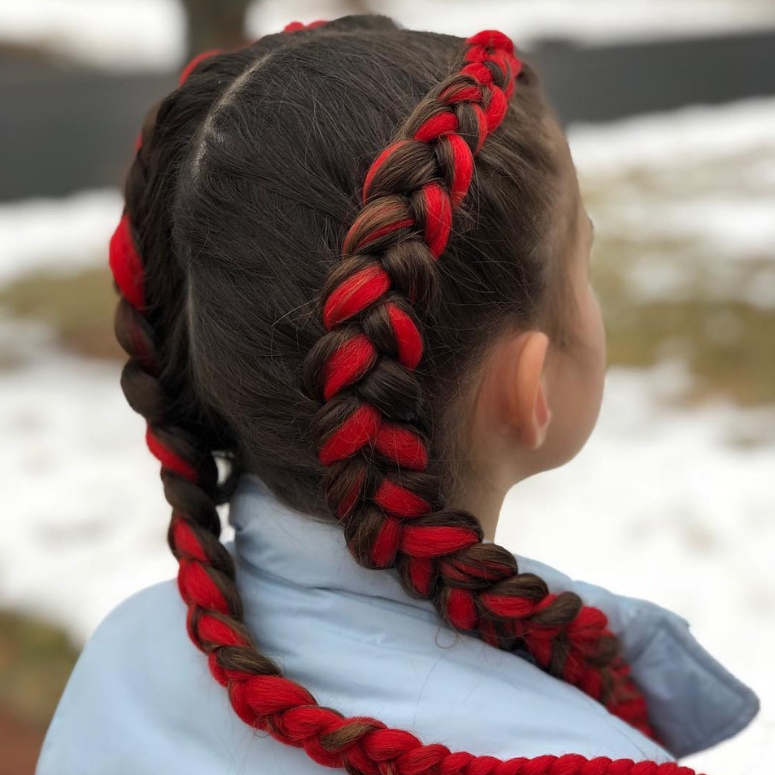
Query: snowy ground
[661,505]
[677,503]
[120,34]
[690,189]
[58,235]
[86,489]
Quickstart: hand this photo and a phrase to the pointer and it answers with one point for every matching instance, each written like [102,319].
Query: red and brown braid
[476,587]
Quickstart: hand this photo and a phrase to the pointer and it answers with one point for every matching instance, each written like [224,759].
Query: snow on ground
[671,504]
[661,504]
[690,188]
[86,491]
[680,136]
[58,235]
[120,34]
[114,34]
[590,21]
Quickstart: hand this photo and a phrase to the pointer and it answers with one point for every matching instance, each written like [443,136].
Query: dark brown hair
[245,183]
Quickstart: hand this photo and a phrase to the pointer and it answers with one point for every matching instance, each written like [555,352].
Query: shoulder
[137,679]
[694,701]
[369,656]
[142,636]
[474,697]
[140,616]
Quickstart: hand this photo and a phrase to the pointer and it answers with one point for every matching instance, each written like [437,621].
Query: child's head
[310,316]
[270,147]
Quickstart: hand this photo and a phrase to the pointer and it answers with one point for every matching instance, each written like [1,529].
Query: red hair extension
[366,428]
[127,269]
[125,264]
[189,68]
[277,705]
[296,26]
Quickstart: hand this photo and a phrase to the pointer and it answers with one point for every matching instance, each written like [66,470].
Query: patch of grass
[36,660]
[79,307]
[727,344]
[684,179]
[668,293]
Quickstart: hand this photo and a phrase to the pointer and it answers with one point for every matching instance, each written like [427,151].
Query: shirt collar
[302,549]
[694,698]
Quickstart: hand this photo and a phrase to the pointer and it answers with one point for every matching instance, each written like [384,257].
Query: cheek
[591,368]
[598,328]
[598,352]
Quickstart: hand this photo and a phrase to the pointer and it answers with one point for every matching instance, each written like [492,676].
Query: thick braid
[206,577]
[258,692]
[370,427]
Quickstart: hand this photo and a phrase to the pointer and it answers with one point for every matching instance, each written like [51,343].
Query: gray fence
[64,130]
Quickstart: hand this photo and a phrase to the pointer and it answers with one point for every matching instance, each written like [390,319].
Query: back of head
[267,190]
[322,267]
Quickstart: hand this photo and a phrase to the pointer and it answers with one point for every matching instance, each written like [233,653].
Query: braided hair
[300,309]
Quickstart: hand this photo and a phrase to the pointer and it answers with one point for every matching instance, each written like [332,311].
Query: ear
[529,412]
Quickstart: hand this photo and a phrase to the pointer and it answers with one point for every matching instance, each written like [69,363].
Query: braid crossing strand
[259,694]
[371,327]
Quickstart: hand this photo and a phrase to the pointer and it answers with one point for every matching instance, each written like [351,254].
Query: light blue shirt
[141,700]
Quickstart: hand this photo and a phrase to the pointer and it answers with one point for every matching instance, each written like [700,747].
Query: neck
[483,498]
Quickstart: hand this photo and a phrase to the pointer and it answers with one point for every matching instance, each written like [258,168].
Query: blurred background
[670,111]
